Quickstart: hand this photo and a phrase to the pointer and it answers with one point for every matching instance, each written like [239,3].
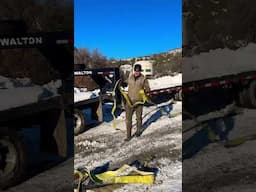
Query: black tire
[79,124]
[252,94]
[13,161]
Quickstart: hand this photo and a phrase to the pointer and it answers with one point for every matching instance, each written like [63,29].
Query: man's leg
[139,110]
[128,112]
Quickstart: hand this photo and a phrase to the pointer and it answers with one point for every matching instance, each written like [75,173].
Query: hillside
[213,24]
[165,63]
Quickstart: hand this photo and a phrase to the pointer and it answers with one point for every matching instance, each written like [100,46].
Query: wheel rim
[78,121]
[8,157]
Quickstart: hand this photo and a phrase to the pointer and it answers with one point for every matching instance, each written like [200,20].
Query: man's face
[137,73]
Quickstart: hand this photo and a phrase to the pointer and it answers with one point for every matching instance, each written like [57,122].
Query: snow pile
[81,94]
[219,62]
[162,138]
[215,163]
[165,82]
[21,91]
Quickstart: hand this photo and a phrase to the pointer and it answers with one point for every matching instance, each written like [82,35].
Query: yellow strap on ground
[78,174]
[211,135]
[132,179]
[172,115]
[114,177]
[240,140]
[80,177]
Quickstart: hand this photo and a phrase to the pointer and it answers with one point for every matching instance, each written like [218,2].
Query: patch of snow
[175,51]
[83,94]
[165,82]
[21,91]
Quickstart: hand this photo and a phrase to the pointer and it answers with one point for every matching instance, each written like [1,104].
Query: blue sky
[128,28]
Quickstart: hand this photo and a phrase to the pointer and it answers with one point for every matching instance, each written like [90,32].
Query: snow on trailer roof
[165,82]
[81,94]
[219,62]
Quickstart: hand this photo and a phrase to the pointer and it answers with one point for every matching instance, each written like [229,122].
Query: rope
[144,97]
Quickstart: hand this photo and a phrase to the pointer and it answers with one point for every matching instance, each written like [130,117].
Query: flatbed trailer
[95,104]
[237,88]
[170,92]
[105,79]
[50,114]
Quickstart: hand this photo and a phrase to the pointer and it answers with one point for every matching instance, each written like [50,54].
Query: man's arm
[146,86]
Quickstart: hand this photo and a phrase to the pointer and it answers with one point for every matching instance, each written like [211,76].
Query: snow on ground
[83,94]
[21,91]
[159,145]
[55,179]
[228,169]
[219,62]
[165,82]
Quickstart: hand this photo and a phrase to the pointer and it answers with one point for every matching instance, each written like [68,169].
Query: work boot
[127,139]
[138,133]
[139,129]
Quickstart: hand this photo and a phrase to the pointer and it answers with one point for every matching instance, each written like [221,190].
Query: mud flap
[54,133]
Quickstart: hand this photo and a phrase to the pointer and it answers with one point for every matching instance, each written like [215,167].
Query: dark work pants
[129,112]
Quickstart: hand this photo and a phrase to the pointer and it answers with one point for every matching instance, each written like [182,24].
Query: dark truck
[50,113]
[103,79]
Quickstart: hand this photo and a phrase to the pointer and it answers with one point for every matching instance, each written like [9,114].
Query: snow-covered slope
[219,62]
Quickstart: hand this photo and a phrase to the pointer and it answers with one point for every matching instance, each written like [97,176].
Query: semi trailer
[21,110]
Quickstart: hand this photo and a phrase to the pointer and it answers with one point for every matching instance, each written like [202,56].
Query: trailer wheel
[12,159]
[252,94]
[79,124]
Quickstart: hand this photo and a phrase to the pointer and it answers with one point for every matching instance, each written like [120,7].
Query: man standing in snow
[136,83]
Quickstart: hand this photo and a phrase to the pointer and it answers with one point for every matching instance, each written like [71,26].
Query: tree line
[164,63]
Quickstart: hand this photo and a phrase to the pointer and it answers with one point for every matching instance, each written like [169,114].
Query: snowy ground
[159,145]
[219,169]
[55,179]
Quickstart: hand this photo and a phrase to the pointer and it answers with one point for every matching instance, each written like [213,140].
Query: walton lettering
[21,41]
